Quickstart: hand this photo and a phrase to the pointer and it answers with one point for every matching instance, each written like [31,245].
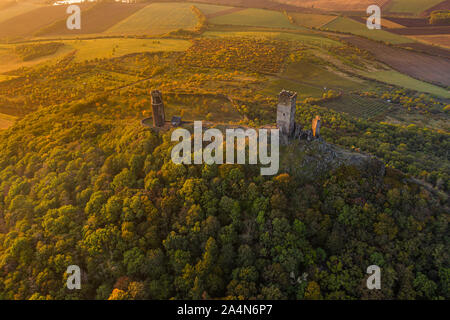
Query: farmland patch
[96,19]
[311,20]
[415,64]
[256,18]
[343,24]
[26,24]
[157,19]
[358,106]
[411,6]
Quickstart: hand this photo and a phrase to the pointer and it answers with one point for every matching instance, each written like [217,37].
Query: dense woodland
[82,182]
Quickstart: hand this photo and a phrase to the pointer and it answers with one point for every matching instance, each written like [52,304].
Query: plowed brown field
[97,19]
[415,64]
[421,31]
[25,25]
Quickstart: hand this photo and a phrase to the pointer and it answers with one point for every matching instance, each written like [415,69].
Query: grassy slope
[311,20]
[103,48]
[157,18]
[256,18]
[10,61]
[210,8]
[318,76]
[91,49]
[343,24]
[402,80]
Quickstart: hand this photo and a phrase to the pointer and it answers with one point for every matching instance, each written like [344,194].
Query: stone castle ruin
[289,129]
[286,110]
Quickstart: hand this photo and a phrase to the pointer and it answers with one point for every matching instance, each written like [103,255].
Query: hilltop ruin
[289,129]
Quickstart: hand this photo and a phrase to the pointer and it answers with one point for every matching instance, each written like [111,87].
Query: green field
[303,90]
[255,18]
[402,80]
[108,48]
[157,19]
[411,6]
[210,8]
[343,24]
[15,10]
[311,20]
[358,106]
[91,49]
[315,75]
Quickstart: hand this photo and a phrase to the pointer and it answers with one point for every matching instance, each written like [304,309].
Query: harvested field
[436,40]
[264,4]
[343,24]
[210,9]
[385,23]
[256,18]
[311,20]
[445,5]
[422,31]
[157,19]
[336,5]
[430,48]
[415,64]
[411,6]
[25,25]
[97,19]
[224,12]
[410,22]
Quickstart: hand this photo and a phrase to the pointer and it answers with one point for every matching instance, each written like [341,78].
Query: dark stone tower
[159,118]
[286,112]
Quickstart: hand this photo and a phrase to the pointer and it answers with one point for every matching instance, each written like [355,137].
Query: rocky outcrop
[311,159]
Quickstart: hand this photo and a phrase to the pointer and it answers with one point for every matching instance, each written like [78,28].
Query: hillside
[87,180]
[91,190]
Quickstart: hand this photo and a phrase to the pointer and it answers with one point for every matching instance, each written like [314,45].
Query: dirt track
[415,64]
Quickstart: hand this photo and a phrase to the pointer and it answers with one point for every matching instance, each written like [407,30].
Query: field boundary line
[324,25]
